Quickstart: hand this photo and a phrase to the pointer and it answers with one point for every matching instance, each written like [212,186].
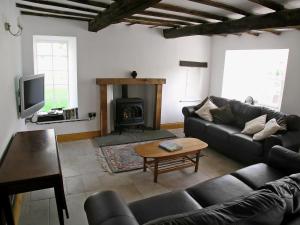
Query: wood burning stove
[129,111]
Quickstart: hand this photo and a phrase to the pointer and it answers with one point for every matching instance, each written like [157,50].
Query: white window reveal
[256,73]
[56,57]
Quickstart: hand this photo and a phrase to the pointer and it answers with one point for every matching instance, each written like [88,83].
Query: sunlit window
[256,73]
[56,58]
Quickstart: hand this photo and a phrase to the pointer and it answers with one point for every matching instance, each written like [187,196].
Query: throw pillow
[222,115]
[271,127]
[255,125]
[204,111]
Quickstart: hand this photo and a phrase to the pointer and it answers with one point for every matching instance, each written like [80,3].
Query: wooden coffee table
[160,161]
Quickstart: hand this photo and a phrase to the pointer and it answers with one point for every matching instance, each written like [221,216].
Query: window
[56,58]
[256,73]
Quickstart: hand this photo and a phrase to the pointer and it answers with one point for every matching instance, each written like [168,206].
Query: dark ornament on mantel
[134,74]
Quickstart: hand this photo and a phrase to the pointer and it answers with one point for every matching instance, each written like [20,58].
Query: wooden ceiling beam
[62,5]
[172,16]
[54,16]
[269,4]
[179,9]
[118,11]
[147,12]
[55,11]
[284,18]
[159,20]
[92,3]
[222,6]
[149,23]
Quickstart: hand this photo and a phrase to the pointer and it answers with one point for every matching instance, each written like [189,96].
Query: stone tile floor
[84,175]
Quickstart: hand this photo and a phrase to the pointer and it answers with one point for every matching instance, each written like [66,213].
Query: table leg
[197,161]
[145,166]
[155,170]
[5,204]
[59,203]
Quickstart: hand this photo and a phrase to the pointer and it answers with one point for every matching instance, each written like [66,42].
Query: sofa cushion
[221,131]
[218,190]
[244,112]
[288,188]
[258,208]
[222,115]
[163,205]
[258,174]
[218,101]
[245,144]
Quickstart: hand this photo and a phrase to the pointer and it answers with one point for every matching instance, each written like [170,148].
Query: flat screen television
[32,94]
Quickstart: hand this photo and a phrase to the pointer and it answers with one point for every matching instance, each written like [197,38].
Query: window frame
[72,62]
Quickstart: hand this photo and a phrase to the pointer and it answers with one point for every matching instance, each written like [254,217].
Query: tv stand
[31,163]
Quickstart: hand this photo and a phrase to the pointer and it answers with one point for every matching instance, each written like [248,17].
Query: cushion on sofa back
[218,101]
[259,207]
[244,112]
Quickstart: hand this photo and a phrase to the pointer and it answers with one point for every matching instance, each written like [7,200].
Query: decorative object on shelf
[193,64]
[7,27]
[71,113]
[134,74]
[249,100]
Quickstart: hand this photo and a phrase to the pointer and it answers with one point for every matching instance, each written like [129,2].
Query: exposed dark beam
[58,4]
[193,12]
[284,18]
[92,3]
[55,11]
[149,23]
[269,4]
[118,11]
[159,20]
[54,16]
[223,6]
[172,16]
[147,12]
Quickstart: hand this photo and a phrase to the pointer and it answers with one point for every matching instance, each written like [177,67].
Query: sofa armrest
[290,140]
[108,208]
[284,159]
[188,111]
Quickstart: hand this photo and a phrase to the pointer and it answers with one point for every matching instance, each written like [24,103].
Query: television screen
[33,92]
[32,95]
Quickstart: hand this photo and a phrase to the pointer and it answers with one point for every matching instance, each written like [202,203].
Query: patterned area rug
[120,158]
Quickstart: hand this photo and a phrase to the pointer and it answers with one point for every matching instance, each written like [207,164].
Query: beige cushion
[255,125]
[271,127]
[204,111]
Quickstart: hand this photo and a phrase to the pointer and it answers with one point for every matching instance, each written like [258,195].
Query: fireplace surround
[105,82]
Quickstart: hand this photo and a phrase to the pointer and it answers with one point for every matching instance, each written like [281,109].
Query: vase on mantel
[133,74]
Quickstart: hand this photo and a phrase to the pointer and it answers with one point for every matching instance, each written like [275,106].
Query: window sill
[64,121]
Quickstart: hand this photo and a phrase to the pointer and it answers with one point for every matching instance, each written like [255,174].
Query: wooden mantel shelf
[130,81]
[104,82]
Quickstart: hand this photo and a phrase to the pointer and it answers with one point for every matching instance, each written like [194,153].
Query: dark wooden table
[30,163]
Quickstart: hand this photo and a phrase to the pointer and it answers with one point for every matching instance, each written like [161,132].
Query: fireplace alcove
[104,105]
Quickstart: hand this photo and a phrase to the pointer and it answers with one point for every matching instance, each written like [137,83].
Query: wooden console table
[104,82]
[30,163]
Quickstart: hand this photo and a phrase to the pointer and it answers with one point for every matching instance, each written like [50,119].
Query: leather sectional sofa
[239,198]
[229,140]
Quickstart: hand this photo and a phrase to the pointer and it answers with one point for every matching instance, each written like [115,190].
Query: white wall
[10,67]
[290,40]
[114,52]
